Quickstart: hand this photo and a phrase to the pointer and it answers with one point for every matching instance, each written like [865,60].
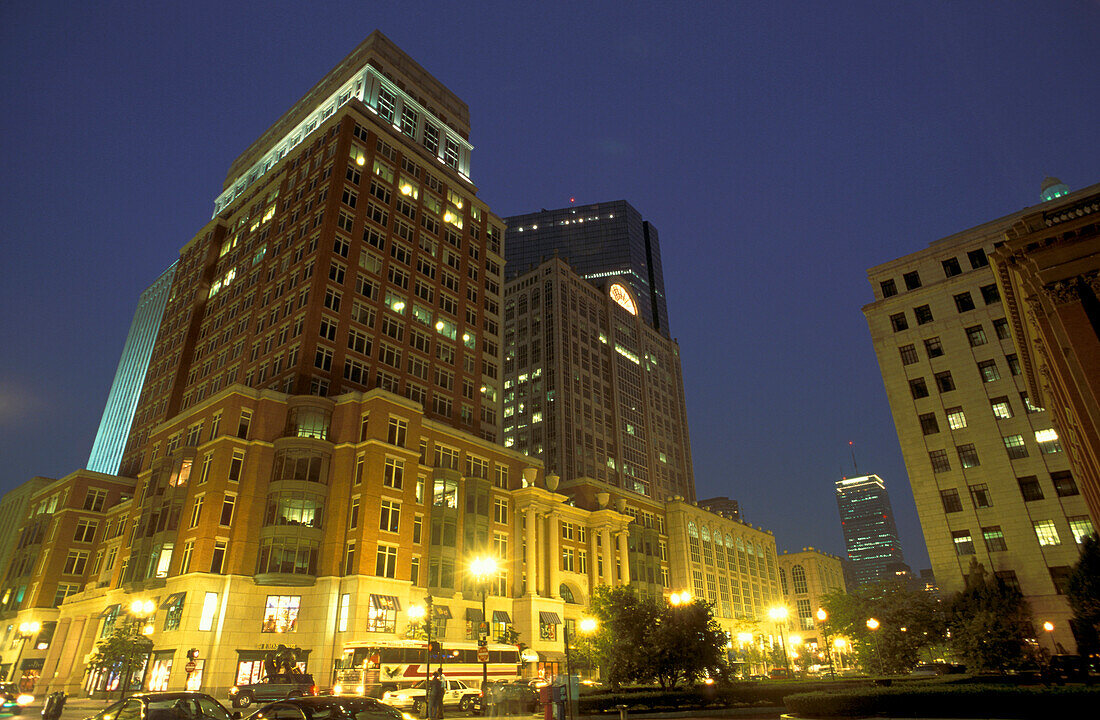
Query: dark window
[940,461]
[1008,577]
[968,456]
[1060,576]
[977,258]
[994,538]
[928,424]
[912,280]
[1001,326]
[923,314]
[908,354]
[1013,364]
[951,267]
[976,336]
[1029,488]
[990,294]
[963,302]
[1064,484]
[933,347]
[944,382]
[951,501]
[979,495]
[989,371]
[889,288]
[918,388]
[964,543]
[898,322]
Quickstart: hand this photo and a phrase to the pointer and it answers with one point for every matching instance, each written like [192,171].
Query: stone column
[608,556]
[532,567]
[624,556]
[553,555]
[594,577]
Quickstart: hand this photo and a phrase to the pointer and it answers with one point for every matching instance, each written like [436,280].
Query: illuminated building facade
[989,473]
[870,533]
[114,427]
[599,241]
[590,387]
[804,578]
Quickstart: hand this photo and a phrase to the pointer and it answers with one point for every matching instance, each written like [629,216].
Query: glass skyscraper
[602,240]
[870,534]
[114,426]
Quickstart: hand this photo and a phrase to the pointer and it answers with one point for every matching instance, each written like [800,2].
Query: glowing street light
[778,615]
[483,570]
[586,626]
[680,598]
[873,625]
[822,616]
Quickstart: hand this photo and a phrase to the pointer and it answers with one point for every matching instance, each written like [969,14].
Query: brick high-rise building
[348,251]
[987,467]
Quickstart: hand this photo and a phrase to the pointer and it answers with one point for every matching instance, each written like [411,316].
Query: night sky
[780,148]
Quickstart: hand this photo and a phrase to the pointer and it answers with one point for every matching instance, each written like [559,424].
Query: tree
[124,651]
[1083,593]
[642,639]
[989,622]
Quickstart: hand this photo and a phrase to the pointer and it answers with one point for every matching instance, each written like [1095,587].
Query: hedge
[737,695]
[954,701]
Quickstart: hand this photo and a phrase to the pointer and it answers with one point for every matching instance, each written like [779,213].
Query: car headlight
[25,699]
[234,690]
[360,689]
[407,716]
[337,689]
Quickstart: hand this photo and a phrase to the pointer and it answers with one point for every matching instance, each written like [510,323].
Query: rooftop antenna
[852,447]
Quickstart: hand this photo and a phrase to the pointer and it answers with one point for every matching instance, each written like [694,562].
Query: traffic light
[193,654]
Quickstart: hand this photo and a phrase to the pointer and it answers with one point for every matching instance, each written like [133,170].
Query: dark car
[510,698]
[328,707]
[10,696]
[166,706]
[273,687]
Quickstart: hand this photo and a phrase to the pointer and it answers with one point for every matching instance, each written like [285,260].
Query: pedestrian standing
[435,696]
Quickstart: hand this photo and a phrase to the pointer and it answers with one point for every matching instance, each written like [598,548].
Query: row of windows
[1046,533]
[951,268]
[963,303]
[1014,446]
[1030,489]
[933,348]
[945,383]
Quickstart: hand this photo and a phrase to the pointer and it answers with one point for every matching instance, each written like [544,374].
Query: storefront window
[194,678]
[161,670]
[281,614]
[174,611]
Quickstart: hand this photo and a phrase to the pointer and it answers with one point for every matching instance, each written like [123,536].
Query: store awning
[473,615]
[384,602]
[501,616]
[173,600]
[110,610]
[549,618]
[442,612]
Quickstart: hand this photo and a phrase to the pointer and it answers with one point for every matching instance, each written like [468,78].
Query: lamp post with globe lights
[873,625]
[25,631]
[483,569]
[778,615]
[142,612]
[822,616]
[586,625]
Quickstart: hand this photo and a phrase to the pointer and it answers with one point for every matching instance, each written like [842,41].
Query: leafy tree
[686,644]
[125,652]
[989,622]
[1083,593]
[621,641]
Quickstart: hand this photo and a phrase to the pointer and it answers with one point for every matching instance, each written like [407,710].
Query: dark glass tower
[870,534]
[598,241]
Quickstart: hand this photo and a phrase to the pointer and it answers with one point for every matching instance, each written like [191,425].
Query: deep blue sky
[780,148]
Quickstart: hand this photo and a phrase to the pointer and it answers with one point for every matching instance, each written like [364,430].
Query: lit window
[956,419]
[281,613]
[1048,440]
[1046,532]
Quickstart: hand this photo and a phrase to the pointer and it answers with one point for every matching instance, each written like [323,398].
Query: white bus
[371,667]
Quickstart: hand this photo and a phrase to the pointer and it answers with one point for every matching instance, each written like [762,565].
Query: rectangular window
[1064,484]
[994,539]
[1030,488]
[951,501]
[1048,441]
[94,499]
[500,511]
[976,335]
[418,529]
[1001,326]
[345,610]
[398,429]
[933,348]
[281,613]
[980,496]
[963,302]
[912,280]
[85,530]
[956,418]
[989,371]
[918,389]
[393,474]
[978,258]
[1013,364]
[196,511]
[217,560]
[390,516]
[968,456]
[951,267]
[1046,532]
[889,288]
[923,314]
[928,424]
[964,543]
[990,294]
[1002,410]
[940,461]
[1081,527]
[236,465]
[908,354]
[75,562]
[1014,445]
[898,322]
[386,562]
[229,503]
[188,551]
[244,423]
[944,381]
[209,609]
[1008,577]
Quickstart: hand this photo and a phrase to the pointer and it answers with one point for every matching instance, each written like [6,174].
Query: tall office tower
[723,506]
[347,251]
[1048,271]
[600,241]
[989,476]
[591,388]
[114,427]
[870,535]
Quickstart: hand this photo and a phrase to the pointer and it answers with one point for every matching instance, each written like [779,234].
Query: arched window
[706,534]
[798,577]
[692,530]
[783,580]
[566,594]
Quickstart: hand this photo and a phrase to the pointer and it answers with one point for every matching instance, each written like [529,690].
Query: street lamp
[839,644]
[142,611]
[26,630]
[677,599]
[873,626]
[586,626]
[822,616]
[1048,626]
[483,569]
[778,614]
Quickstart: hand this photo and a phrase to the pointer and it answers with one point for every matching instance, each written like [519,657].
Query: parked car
[455,694]
[779,674]
[511,698]
[274,687]
[166,706]
[329,707]
[12,699]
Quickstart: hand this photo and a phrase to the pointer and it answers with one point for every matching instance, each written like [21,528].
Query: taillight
[313,690]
